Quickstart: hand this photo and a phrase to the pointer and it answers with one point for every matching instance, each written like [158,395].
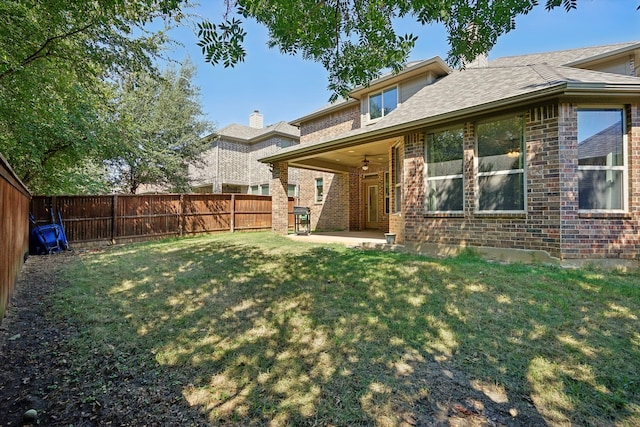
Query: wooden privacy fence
[130,218]
[14,230]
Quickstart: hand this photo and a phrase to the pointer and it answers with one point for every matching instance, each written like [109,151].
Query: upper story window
[382,103]
[501,172]
[444,154]
[602,160]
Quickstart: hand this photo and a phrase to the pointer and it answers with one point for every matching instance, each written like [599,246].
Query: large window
[601,160]
[382,103]
[397,179]
[500,156]
[319,190]
[444,156]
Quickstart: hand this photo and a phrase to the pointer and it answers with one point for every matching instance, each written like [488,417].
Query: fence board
[14,231]
[129,218]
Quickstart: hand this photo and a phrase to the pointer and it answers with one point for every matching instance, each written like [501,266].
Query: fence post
[114,219]
[233,212]
[181,217]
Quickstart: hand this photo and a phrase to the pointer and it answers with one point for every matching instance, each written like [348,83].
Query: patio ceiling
[341,159]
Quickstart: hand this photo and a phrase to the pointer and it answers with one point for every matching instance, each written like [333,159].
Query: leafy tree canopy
[58,60]
[159,125]
[355,39]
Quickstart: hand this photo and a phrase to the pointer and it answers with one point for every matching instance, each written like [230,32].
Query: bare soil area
[38,370]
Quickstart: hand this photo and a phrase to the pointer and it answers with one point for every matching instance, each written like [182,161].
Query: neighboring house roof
[476,90]
[564,57]
[252,135]
[605,142]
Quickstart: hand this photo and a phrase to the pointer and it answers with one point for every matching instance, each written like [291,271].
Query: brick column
[279,198]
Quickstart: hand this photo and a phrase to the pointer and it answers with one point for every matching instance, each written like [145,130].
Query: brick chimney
[256,120]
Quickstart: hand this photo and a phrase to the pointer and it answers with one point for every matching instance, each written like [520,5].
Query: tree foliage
[355,40]
[160,124]
[56,60]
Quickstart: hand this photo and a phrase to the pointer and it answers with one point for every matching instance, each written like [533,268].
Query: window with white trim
[444,157]
[386,192]
[319,190]
[382,103]
[501,165]
[602,160]
[397,179]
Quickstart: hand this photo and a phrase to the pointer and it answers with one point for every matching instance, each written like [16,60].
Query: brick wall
[552,222]
[260,173]
[333,213]
[279,199]
[536,229]
[330,125]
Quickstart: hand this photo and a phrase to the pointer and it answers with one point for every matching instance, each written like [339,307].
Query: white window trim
[381,92]
[387,193]
[427,178]
[625,158]
[397,186]
[478,174]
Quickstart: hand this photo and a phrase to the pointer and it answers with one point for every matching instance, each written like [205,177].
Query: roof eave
[603,56]
[559,90]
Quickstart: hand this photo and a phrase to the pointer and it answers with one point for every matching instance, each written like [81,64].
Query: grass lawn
[256,329]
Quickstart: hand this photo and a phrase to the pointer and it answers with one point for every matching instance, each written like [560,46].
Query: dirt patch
[39,372]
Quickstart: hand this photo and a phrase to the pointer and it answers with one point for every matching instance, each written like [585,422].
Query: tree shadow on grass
[321,335]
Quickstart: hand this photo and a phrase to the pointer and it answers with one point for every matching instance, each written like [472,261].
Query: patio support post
[280,198]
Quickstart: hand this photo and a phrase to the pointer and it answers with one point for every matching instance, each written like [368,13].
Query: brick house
[231,164]
[532,157]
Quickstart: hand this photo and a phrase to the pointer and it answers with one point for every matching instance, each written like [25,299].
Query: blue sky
[284,87]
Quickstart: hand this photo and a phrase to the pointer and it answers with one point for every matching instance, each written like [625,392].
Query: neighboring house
[536,156]
[231,164]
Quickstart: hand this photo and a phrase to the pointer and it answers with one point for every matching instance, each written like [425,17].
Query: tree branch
[40,53]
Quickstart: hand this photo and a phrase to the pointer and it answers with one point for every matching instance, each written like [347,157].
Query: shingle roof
[562,57]
[249,134]
[475,89]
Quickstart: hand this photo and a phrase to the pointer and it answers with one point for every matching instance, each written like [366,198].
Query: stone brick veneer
[333,212]
[551,222]
[330,125]
[279,198]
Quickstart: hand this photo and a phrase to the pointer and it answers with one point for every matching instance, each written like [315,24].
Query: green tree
[51,122]
[160,127]
[56,60]
[356,39]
